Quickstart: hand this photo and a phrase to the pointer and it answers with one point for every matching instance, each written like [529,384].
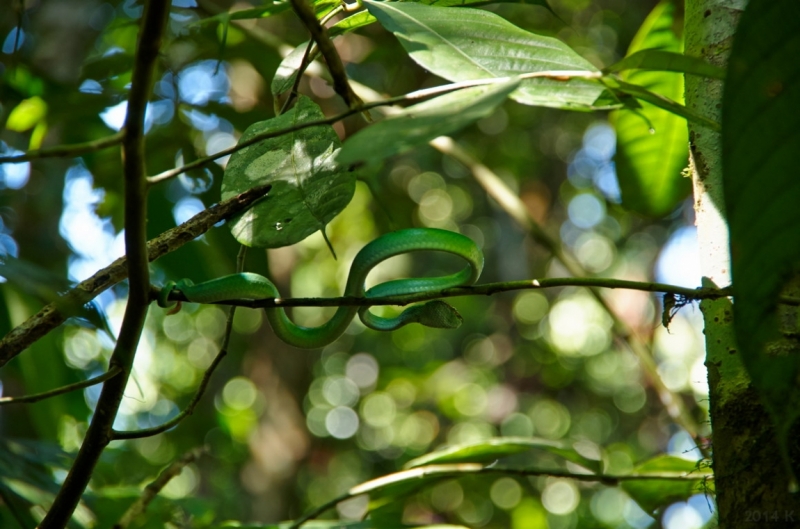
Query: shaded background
[289,429]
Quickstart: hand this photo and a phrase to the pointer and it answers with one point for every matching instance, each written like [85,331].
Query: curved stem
[112,372]
[201,389]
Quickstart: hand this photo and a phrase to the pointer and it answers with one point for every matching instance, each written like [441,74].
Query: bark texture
[752,484]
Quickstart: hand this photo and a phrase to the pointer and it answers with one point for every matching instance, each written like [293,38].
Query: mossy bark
[751,481]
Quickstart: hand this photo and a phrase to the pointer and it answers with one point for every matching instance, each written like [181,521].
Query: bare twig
[320,35]
[112,372]
[76,149]
[50,317]
[425,474]
[98,435]
[152,489]
[486,289]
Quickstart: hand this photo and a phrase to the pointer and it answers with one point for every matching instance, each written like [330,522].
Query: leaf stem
[112,372]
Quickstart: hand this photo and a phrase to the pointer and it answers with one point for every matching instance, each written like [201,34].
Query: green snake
[432,314]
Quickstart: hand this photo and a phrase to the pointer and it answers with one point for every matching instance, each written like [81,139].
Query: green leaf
[649,163]
[287,70]
[418,124]
[308,188]
[466,44]
[760,142]
[498,447]
[653,493]
[668,61]
[27,114]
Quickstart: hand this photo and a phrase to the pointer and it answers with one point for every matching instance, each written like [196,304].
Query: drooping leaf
[760,142]
[308,187]
[668,61]
[287,70]
[496,448]
[465,44]
[649,162]
[418,124]
[653,493]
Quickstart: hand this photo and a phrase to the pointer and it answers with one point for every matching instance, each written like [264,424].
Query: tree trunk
[752,483]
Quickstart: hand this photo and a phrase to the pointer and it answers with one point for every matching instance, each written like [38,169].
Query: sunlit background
[287,429]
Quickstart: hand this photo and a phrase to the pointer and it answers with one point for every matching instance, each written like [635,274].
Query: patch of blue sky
[679,260]
[593,163]
[12,39]
[13,175]
[157,113]
[90,86]
[91,238]
[186,208]
[586,210]
[202,82]
[201,121]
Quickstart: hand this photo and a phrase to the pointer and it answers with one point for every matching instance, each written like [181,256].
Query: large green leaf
[760,146]
[652,144]
[418,124]
[498,447]
[653,493]
[465,44]
[308,187]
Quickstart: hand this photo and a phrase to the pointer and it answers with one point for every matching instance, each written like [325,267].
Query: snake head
[437,314]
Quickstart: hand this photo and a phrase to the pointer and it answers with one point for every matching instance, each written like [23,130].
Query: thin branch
[152,489]
[112,372]
[460,469]
[201,389]
[487,289]
[76,149]
[560,75]
[54,314]
[98,436]
[308,57]
[320,35]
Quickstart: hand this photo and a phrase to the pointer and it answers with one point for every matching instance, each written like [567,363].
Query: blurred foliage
[289,430]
